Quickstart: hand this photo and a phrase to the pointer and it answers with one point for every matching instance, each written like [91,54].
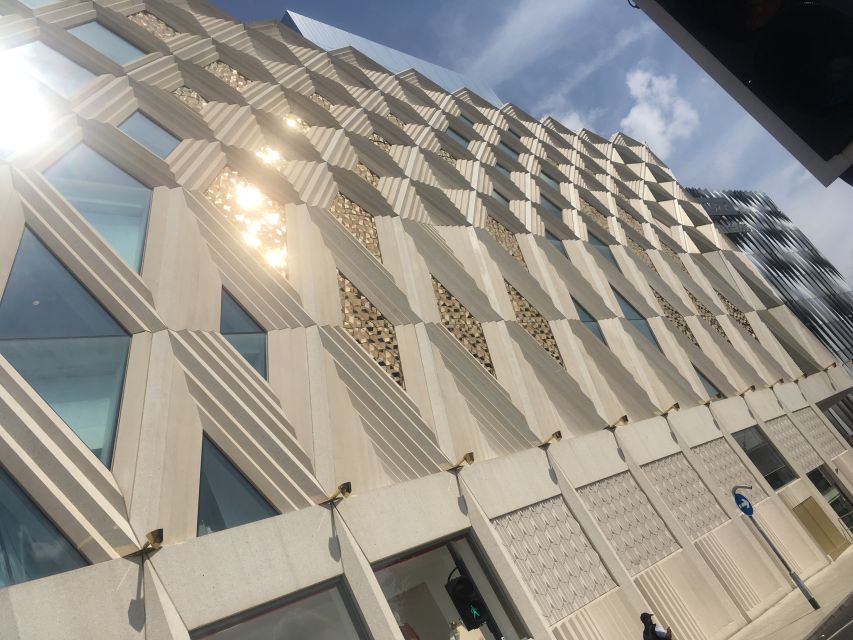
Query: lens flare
[25,120]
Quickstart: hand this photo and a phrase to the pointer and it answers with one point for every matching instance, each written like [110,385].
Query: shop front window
[321,615]
[444,593]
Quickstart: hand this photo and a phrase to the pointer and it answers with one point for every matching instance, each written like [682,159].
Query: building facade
[292,346]
[808,283]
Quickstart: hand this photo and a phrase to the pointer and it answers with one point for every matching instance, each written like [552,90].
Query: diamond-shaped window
[64,344]
[114,202]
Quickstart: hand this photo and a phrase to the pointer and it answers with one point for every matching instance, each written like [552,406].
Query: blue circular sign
[743,504]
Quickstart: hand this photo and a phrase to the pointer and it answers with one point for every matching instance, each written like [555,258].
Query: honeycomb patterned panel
[358,222]
[641,253]
[812,425]
[322,101]
[792,443]
[736,314]
[371,330]
[533,322]
[367,175]
[464,326]
[636,531]
[506,239]
[228,74]
[672,314]
[444,154]
[554,556]
[689,499]
[594,215]
[153,25]
[190,97]
[710,318]
[260,220]
[727,469]
[380,142]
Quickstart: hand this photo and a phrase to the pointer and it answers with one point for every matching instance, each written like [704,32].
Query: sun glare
[25,119]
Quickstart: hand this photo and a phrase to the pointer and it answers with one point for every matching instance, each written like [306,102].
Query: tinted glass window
[599,245]
[244,334]
[149,134]
[549,180]
[31,547]
[710,388]
[556,243]
[589,322]
[551,207]
[51,68]
[497,195]
[502,169]
[458,137]
[512,153]
[102,39]
[114,203]
[635,318]
[765,456]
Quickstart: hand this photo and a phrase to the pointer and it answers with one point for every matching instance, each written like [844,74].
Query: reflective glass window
[243,333]
[115,203]
[589,321]
[50,68]
[466,119]
[635,318]
[64,344]
[710,388]
[149,134]
[105,41]
[549,180]
[322,615]
[765,456]
[602,247]
[225,497]
[497,195]
[458,137]
[416,588]
[502,169]
[551,207]
[512,153]
[31,547]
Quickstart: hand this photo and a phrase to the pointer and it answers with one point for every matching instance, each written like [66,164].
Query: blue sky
[605,66]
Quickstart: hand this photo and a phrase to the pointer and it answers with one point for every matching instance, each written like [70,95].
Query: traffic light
[467,601]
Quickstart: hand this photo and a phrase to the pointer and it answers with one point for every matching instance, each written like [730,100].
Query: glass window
[31,547]
[514,133]
[64,344]
[633,316]
[114,203]
[243,333]
[599,245]
[466,119]
[512,153]
[105,41]
[458,137]
[502,169]
[765,456]
[710,388]
[549,180]
[556,243]
[51,68]
[551,207]
[836,498]
[225,498]
[419,587]
[497,195]
[322,615]
[149,134]
[588,321]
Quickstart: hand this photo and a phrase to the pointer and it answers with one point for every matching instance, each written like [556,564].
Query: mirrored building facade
[296,346]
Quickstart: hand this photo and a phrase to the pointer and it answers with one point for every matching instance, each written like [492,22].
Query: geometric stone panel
[554,556]
[358,222]
[688,498]
[673,315]
[534,323]
[464,326]
[792,443]
[228,75]
[371,330]
[505,239]
[810,422]
[260,220]
[153,25]
[727,469]
[633,527]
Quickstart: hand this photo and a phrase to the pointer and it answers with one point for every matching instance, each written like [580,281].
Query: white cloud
[659,116]
[576,119]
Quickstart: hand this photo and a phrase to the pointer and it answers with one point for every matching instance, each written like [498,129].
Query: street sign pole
[745,506]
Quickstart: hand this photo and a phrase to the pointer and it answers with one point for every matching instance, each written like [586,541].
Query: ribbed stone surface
[727,469]
[366,324]
[695,507]
[534,323]
[358,222]
[554,557]
[792,443]
[811,424]
[464,326]
[506,239]
[624,513]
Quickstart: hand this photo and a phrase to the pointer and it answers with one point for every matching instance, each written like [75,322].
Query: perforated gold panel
[153,24]
[705,314]
[444,154]
[367,175]
[736,314]
[392,118]
[229,75]
[322,101]
[464,326]
[641,253]
[371,330]
[380,142]
[506,239]
[534,323]
[190,97]
[594,215]
[358,222]
[672,314]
